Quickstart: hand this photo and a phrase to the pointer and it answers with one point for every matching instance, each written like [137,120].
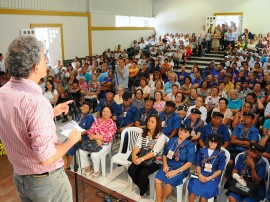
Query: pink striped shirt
[27,128]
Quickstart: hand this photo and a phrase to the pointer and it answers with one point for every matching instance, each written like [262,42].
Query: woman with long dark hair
[50,92]
[152,137]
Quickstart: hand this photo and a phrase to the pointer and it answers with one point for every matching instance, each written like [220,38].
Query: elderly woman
[153,140]
[249,170]
[118,97]
[222,108]
[178,156]
[101,131]
[210,163]
[234,103]
[198,105]
[85,121]
[172,80]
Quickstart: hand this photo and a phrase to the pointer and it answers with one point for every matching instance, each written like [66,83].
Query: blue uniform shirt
[113,105]
[218,163]
[222,131]
[253,135]
[260,170]
[142,115]
[173,122]
[127,115]
[197,128]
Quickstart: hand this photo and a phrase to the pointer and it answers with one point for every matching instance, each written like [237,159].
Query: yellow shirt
[229,87]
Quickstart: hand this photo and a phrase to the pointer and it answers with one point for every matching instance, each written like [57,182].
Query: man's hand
[74,135]
[62,107]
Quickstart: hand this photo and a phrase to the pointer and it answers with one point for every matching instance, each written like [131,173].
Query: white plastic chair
[103,159]
[101,154]
[121,158]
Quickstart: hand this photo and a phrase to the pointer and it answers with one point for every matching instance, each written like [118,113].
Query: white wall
[188,16]
[102,40]
[75,30]
[120,7]
[141,8]
[52,5]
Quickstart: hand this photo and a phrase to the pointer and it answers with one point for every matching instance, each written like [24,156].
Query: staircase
[204,61]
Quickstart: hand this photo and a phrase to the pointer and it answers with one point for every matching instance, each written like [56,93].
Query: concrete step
[214,55]
[207,58]
[202,62]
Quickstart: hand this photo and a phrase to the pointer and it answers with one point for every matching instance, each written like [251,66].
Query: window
[121,21]
[131,21]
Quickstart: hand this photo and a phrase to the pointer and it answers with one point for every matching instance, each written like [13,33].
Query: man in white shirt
[2,64]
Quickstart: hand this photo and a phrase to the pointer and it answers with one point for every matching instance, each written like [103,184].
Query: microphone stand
[75,157]
[76,147]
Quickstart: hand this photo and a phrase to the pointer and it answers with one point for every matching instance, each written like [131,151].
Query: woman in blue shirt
[85,121]
[210,163]
[235,104]
[178,156]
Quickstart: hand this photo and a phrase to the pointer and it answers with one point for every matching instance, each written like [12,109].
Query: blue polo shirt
[126,116]
[142,115]
[253,135]
[222,131]
[113,105]
[173,122]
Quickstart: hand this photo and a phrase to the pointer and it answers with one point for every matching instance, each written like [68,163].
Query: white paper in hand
[66,129]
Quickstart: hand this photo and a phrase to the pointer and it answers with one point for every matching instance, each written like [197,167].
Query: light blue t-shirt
[235,104]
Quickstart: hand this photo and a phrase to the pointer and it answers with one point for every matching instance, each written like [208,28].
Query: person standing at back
[27,128]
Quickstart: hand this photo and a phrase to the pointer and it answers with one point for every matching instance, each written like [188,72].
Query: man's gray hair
[22,54]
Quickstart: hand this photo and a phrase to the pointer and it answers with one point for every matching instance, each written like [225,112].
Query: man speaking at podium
[27,129]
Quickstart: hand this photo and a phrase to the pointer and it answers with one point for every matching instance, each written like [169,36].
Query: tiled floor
[118,180]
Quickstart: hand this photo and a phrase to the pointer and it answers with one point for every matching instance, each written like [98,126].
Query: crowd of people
[186,116]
